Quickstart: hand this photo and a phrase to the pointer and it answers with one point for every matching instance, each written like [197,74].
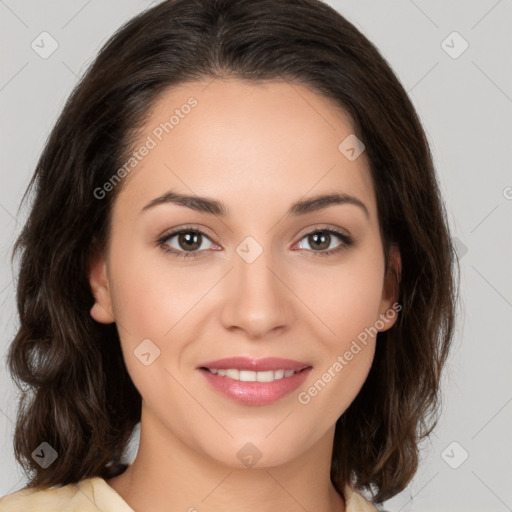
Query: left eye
[321,239]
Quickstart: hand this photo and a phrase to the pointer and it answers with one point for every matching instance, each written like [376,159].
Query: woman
[237,239]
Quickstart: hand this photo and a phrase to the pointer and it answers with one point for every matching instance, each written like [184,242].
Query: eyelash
[347,242]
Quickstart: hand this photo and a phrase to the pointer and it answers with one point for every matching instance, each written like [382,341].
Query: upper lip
[256,365]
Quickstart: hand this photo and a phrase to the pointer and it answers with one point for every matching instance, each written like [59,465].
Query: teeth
[232,374]
[250,376]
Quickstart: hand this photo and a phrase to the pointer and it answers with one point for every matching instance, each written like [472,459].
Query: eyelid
[187,227]
[321,227]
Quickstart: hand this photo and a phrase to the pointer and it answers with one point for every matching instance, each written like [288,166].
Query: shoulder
[53,499]
[84,496]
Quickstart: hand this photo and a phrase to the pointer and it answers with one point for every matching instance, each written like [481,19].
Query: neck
[169,475]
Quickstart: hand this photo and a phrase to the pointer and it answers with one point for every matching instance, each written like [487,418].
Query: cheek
[151,310]
[335,385]
[344,299]
[349,308]
[158,300]
[150,296]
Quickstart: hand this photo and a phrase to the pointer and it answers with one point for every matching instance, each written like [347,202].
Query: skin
[257,147]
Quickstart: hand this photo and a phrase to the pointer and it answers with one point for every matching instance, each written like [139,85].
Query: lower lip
[255,393]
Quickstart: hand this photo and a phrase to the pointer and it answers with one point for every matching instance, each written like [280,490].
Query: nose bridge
[252,267]
[257,301]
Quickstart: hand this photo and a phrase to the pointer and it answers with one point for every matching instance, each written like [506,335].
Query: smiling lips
[255,382]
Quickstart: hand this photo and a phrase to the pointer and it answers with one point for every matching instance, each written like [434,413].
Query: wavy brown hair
[76,392]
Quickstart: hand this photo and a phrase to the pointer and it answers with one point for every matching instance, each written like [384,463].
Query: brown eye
[320,242]
[188,242]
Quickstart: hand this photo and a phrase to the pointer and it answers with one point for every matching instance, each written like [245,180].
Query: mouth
[255,382]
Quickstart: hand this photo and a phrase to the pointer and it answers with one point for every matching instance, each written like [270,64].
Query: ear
[102,310]
[389,307]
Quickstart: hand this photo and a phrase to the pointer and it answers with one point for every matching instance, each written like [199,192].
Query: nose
[257,298]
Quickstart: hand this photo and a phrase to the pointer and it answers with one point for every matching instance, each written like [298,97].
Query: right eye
[187,238]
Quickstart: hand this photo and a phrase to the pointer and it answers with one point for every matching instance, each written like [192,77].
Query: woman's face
[257,282]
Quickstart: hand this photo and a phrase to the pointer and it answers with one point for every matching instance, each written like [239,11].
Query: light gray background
[465,104]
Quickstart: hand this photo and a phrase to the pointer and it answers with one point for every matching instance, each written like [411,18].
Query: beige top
[93,494]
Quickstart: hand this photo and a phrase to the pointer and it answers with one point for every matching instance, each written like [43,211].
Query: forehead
[251,145]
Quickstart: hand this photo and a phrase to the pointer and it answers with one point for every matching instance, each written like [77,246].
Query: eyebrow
[214,207]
